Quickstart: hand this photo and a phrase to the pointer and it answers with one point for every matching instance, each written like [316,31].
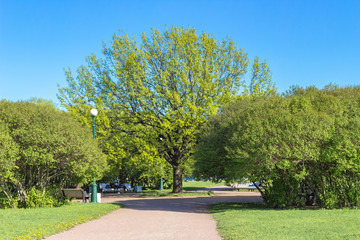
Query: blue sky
[304,42]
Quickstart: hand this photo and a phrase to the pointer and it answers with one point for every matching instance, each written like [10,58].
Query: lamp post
[93,113]
[161,182]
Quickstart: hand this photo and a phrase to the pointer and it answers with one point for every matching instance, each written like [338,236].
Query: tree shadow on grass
[223,207]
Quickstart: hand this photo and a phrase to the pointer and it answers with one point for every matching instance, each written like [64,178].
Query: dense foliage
[303,148]
[158,94]
[129,159]
[42,149]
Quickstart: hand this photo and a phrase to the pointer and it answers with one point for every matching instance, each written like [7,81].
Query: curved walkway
[163,218]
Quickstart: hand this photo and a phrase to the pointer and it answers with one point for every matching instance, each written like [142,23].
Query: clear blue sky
[304,42]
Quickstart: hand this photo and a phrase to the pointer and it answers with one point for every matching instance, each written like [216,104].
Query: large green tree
[160,92]
[129,158]
[261,80]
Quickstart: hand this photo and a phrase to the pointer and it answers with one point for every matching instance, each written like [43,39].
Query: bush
[36,198]
[42,146]
[5,202]
[303,148]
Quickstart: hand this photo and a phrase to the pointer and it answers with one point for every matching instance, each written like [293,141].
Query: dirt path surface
[164,218]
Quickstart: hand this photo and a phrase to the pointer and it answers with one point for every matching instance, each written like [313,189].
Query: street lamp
[93,113]
[161,181]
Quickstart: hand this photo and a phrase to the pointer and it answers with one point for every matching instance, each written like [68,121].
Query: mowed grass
[39,223]
[198,185]
[255,221]
[168,193]
[188,188]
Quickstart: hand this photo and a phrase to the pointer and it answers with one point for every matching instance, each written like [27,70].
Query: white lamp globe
[93,112]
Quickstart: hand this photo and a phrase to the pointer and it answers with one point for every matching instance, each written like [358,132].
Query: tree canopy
[160,92]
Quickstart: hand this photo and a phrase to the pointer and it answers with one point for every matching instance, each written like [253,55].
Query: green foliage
[8,157]
[302,147]
[8,152]
[43,147]
[157,95]
[129,158]
[261,81]
[8,202]
[35,198]
[47,103]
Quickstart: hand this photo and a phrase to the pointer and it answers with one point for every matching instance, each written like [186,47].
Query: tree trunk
[177,179]
[259,189]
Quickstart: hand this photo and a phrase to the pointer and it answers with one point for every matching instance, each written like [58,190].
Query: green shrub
[282,193]
[6,203]
[303,147]
[38,140]
[35,198]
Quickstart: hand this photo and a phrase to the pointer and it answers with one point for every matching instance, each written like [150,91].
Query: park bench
[76,193]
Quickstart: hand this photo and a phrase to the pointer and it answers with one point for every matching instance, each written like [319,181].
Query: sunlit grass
[168,193]
[39,223]
[254,221]
[187,187]
[198,185]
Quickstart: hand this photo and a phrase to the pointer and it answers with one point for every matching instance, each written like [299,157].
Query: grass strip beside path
[255,221]
[38,223]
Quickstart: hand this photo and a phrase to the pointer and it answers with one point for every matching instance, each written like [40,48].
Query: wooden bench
[76,193]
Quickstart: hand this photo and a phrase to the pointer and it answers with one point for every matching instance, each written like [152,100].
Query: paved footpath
[165,218]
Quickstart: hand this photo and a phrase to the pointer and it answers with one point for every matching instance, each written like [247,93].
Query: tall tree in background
[160,92]
[261,80]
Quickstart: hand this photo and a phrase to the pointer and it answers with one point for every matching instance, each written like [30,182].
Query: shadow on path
[193,204]
[161,218]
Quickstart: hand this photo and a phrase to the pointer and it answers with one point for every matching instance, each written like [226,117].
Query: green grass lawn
[168,193]
[38,223]
[197,185]
[254,221]
[187,186]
